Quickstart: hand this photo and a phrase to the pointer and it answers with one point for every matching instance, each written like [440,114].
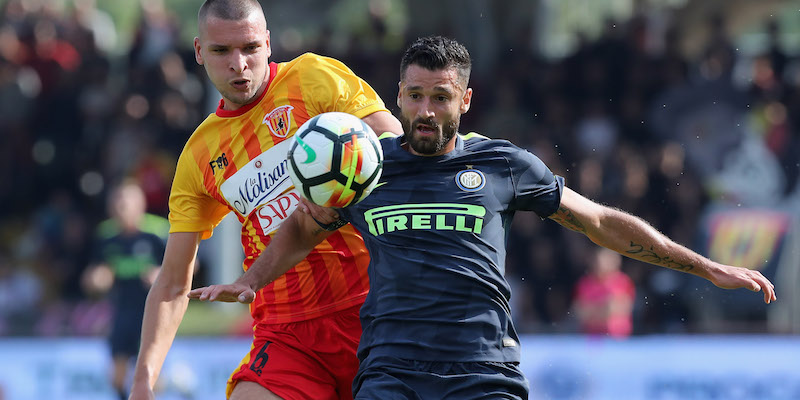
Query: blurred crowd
[613,117]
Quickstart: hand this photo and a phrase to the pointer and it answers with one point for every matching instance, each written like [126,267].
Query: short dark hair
[437,52]
[232,10]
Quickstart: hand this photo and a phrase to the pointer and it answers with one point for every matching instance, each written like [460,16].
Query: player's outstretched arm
[164,309]
[297,236]
[633,237]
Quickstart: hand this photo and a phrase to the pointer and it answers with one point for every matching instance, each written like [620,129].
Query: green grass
[210,319]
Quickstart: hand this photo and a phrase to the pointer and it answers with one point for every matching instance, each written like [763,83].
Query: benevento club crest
[279,121]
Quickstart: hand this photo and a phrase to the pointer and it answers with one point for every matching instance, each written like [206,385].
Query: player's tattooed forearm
[567,219]
[649,255]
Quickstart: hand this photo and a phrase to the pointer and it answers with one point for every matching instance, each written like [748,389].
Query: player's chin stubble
[429,145]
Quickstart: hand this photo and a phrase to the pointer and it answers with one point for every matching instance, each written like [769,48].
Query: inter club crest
[279,121]
[470,180]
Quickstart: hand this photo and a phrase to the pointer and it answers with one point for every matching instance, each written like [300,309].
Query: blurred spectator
[20,294]
[719,56]
[125,262]
[155,35]
[98,23]
[604,296]
[596,131]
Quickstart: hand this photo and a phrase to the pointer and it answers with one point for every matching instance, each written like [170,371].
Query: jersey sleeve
[191,207]
[536,188]
[344,213]
[334,87]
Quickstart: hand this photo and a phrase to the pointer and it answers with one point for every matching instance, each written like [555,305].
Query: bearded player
[437,321]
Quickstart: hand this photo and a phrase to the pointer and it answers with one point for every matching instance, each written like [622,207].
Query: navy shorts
[390,378]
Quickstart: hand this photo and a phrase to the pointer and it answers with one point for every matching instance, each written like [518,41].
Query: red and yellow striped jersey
[235,161]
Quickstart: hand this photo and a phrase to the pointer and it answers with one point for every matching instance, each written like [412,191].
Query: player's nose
[425,110]
[238,61]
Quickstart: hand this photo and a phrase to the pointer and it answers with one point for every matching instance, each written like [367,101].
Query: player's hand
[729,277]
[323,215]
[231,293]
[141,392]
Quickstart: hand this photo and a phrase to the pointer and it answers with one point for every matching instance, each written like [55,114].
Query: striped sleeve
[191,207]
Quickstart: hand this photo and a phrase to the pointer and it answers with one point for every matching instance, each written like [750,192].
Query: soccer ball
[335,160]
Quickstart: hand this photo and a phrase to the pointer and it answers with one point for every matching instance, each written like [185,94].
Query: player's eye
[414,96]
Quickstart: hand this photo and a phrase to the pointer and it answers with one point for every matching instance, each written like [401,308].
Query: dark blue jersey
[129,256]
[436,232]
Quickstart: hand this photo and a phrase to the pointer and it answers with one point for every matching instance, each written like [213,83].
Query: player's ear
[268,46]
[466,101]
[399,92]
[197,55]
